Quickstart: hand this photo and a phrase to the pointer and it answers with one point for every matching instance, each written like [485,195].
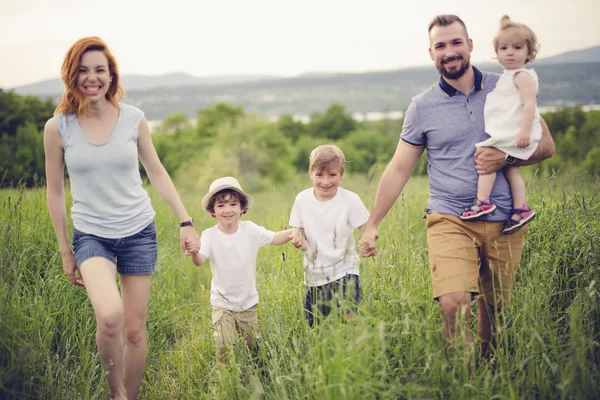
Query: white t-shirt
[233,264]
[328,226]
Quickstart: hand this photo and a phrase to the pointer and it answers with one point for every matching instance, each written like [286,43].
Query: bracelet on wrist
[187,223]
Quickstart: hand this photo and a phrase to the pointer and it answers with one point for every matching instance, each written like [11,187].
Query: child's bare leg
[485,185]
[517,188]
[482,204]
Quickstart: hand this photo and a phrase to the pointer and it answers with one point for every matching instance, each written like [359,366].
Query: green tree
[591,164]
[174,124]
[22,156]
[303,147]
[290,128]
[22,121]
[363,148]
[334,124]
[208,120]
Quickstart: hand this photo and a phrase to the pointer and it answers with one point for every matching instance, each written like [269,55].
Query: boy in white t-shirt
[232,247]
[325,217]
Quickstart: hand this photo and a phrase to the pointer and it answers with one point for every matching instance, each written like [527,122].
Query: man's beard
[454,75]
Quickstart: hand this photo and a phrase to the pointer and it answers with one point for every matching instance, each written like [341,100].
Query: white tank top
[108,198]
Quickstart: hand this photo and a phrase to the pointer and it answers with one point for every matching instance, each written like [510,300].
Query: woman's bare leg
[135,291]
[99,276]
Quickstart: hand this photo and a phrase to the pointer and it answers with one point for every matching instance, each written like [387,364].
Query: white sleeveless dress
[503,114]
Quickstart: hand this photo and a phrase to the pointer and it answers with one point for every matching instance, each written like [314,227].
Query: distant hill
[577,56]
[561,83]
[53,87]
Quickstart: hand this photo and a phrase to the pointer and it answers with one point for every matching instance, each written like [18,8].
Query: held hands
[188,233]
[192,247]
[366,245]
[488,160]
[298,239]
[70,268]
[523,140]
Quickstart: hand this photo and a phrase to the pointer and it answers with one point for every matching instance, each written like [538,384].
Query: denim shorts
[343,294]
[133,255]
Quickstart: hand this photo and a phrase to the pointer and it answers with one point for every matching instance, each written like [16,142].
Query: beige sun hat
[227,182]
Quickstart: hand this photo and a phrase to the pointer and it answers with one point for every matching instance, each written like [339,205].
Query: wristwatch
[187,223]
[509,160]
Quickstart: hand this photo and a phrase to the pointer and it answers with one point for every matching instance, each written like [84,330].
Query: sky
[274,37]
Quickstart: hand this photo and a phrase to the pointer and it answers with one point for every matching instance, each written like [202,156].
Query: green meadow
[549,347]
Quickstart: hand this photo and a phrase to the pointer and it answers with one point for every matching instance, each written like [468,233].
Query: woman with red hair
[100,141]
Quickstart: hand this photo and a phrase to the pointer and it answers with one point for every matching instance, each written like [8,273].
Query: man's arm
[392,182]
[490,159]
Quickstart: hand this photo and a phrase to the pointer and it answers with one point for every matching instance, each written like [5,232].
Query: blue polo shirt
[448,123]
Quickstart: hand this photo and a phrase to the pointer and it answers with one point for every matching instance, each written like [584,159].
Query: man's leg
[456,308]
[501,255]
[487,327]
[454,263]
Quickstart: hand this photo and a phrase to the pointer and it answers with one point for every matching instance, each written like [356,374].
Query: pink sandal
[478,209]
[511,225]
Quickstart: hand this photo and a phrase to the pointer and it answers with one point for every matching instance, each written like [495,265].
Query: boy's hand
[187,233]
[523,140]
[192,247]
[299,239]
[366,245]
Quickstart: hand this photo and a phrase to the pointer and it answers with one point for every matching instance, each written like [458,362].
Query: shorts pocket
[148,231]
[79,239]
[432,219]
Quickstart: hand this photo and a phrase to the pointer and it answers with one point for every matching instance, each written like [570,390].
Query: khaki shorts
[231,326]
[473,257]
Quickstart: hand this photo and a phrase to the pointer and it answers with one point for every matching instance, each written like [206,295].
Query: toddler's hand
[299,239]
[522,140]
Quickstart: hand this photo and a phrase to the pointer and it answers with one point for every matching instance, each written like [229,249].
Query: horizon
[269,38]
[282,76]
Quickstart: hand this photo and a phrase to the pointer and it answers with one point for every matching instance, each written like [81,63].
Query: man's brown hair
[446,20]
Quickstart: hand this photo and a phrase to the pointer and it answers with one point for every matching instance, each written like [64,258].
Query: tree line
[224,139]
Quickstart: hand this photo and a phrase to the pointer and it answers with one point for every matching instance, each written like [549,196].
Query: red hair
[72,101]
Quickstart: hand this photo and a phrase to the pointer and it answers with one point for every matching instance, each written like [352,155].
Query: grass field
[550,346]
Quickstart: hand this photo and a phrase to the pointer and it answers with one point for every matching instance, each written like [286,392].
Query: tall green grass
[550,346]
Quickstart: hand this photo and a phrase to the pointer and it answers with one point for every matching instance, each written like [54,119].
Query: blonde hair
[326,157]
[527,35]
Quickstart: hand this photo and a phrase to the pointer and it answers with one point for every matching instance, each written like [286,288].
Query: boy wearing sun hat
[232,247]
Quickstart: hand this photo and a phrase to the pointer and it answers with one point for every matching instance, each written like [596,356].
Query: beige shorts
[232,326]
[473,257]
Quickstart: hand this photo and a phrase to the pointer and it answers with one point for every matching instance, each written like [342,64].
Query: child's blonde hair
[527,34]
[326,157]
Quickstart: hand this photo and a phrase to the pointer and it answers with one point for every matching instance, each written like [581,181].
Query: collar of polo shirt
[451,90]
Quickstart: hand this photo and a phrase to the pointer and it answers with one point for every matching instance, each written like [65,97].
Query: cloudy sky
[224,37]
